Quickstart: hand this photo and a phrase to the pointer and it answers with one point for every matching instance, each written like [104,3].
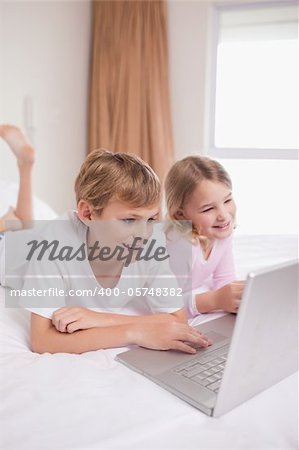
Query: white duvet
[8,197]
[91,401]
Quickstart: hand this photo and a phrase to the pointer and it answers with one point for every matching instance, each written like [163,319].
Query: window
[266,195]
[255,102]
[253,116]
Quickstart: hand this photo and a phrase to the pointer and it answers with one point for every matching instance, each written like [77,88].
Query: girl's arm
[158,336]
[226,298]
[226,293]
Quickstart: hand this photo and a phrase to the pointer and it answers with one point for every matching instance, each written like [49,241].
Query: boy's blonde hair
[182,180]
[106,176]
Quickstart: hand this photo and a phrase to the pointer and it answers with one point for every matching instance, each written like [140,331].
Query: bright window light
[254,132]
[266,194]
[257,77]
[256,95]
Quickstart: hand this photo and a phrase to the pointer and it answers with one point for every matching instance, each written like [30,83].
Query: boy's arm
[158,336]
[180,315]
[70,319]
[45,338]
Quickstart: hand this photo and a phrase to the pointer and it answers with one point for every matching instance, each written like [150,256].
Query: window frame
[211,75]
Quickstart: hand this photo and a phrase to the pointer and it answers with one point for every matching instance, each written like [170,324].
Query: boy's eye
[128,221]
[228,200]
[131,220]
[207,210]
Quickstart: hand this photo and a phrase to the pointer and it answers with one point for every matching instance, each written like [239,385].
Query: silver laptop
[250,351]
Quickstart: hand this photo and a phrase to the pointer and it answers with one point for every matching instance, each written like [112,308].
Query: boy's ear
[84,210]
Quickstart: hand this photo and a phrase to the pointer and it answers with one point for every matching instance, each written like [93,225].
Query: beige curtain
[129,96]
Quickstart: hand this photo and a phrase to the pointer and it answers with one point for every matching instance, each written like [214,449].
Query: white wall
[44,55]
[188,41]
[1,62]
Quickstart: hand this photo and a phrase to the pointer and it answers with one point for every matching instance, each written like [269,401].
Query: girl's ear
[84,210]
[179,215]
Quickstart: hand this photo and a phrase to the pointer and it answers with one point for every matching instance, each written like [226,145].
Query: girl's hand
[70,319]
[168,336]
[229,296]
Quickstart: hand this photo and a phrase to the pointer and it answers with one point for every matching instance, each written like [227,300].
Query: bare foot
[18,143]
[10,221]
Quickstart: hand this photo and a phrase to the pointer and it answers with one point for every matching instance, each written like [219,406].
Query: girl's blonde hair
[106,176]
[182,180]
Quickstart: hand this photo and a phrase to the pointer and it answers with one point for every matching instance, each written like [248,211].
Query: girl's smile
[222,227]
[211,209]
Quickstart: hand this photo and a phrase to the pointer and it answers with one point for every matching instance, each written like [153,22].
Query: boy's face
[120,224]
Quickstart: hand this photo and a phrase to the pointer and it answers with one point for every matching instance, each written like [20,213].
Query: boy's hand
[70,319]
[229,296]
[168,336]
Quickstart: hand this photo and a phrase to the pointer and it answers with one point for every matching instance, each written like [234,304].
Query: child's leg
[24,153]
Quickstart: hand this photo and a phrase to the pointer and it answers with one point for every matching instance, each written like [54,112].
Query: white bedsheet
[91,401]
[8,197]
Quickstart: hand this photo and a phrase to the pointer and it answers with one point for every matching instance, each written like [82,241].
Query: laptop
[251,351]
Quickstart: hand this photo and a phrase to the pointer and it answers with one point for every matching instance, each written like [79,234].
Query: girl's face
[211,209]
[120,224]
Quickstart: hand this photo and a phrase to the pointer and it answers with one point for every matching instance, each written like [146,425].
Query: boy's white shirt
[77,275]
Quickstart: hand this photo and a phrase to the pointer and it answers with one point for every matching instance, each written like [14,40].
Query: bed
[8,196]
[91,401]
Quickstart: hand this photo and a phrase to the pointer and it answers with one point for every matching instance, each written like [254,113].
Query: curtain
[129,108]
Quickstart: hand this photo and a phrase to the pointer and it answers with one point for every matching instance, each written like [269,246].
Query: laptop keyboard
[207,371]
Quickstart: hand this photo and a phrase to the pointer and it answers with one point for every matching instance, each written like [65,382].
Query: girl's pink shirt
[218,269]
[205,275]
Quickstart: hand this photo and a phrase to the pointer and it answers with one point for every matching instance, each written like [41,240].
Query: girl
[198,189]
[118,198]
